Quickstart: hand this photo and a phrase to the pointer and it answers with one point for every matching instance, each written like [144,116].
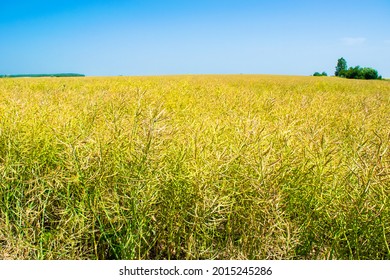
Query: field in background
[194,167]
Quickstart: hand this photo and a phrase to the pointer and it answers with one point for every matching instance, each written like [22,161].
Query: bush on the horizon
[317,74]
[365,73]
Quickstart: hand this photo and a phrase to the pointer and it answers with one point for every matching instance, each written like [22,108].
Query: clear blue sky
[146,37]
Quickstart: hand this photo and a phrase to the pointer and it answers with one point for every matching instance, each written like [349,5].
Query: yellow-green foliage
[194,167]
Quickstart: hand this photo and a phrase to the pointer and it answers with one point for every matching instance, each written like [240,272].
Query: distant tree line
[42,75]
[357,72]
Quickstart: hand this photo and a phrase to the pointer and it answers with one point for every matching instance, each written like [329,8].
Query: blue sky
[136,37]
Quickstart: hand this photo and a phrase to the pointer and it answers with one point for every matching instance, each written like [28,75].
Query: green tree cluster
[356,72]
[317,74]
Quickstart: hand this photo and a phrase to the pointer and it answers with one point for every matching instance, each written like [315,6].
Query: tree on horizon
[341,67]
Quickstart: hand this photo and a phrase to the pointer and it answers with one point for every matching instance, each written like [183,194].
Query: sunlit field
[194,167]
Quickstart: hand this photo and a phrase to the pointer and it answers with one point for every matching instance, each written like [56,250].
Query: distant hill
[42,75]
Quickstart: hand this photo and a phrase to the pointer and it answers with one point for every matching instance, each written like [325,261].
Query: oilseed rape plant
[194,167]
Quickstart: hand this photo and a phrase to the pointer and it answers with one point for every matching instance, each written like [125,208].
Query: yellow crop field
[194,167]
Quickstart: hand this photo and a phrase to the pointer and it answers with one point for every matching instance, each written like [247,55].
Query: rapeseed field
[194,167]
